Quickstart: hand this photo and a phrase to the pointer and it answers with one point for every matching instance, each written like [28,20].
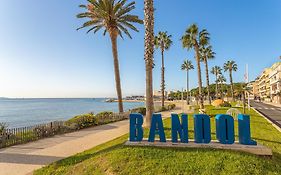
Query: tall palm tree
[206,54]
[187,66]
[216,70]
[115,18]
[193,39]
[221,80]
[164,42]
[148,57]
[230,66]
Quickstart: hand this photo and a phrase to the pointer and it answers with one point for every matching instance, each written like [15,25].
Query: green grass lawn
[115,158]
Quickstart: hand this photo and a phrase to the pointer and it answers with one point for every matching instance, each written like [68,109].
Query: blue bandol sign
[202,129]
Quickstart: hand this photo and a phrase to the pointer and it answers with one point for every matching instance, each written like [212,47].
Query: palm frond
[112,15]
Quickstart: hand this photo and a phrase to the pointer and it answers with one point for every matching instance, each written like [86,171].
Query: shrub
[141,110]
[221,103]
[225,104]
[164,108]
[217,103]
[3,127]
[160,109]
[104,117]
[82,121]
[171,106]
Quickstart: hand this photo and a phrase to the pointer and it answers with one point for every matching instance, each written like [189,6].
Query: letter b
[136,131]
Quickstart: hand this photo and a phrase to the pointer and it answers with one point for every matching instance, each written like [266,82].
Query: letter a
[156,128]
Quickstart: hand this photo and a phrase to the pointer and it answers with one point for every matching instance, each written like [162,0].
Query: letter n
[156,128]
[244,130]
[136,130]
[179,129]
[202,128]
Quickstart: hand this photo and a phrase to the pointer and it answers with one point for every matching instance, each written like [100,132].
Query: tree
[221,80]
[206,54]
[164,42]
[230,66]
[187,66]
[115,19]
[148,57]
[193,39]
[216,70]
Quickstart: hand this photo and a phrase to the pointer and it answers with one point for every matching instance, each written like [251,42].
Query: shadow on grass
[201,151]
[255,138]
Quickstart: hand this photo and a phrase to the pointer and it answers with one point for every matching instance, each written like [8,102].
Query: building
[253,89]
[157,94]
[135,97]
[264,85]
[250,90]
[275,83]
[268,85]
[256,87]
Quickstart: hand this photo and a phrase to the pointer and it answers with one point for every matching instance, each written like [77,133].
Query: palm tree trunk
[217,88]
[244,102]
[231,85]
[113,38]
[187,88]
[201,101]
[207,79]
[148,56]
[221,91]
[163,81]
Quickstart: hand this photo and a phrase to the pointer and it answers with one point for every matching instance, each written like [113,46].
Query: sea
[30,111]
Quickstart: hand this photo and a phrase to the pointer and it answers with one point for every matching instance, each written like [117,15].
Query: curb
[269,120]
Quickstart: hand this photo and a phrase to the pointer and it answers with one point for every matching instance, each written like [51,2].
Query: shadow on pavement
[27,159]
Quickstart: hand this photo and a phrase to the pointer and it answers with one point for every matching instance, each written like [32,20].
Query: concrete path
[24,159]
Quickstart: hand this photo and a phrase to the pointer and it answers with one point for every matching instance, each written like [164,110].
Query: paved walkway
[24,159]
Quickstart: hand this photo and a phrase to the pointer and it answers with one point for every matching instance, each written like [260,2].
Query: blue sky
[42,55]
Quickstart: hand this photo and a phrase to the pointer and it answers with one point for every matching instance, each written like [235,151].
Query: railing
[14,136]
[9,137]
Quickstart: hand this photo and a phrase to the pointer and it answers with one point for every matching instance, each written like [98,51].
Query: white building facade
[275,83]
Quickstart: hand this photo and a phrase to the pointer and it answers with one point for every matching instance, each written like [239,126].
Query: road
[273,113]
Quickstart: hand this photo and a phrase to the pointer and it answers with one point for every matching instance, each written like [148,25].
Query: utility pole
[243,95]
[247,73]
[182,100]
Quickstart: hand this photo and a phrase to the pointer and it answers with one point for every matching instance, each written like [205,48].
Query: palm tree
[148,57]
[164,42]
[187,65]
[221,80]
[206,54]
[216,70]
[230,66]
[115,19]
[193,39]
